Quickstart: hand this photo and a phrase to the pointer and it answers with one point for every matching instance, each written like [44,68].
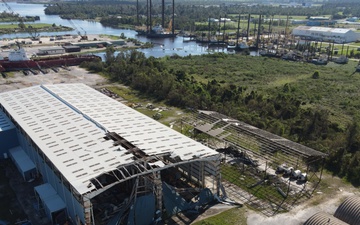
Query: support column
[202,172]
[88,212]
[158,192]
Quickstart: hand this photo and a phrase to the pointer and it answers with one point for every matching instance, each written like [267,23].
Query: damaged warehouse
[261,169]
[104,162]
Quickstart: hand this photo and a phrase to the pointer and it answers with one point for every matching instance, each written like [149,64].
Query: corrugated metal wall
[349,210]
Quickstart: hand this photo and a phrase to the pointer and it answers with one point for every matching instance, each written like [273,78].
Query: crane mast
[83,37]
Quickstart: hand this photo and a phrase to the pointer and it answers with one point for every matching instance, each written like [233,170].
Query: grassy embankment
[43,27]
[229,217]
[336,90]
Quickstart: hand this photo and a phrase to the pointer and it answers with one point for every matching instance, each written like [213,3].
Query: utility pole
[224,29]
[173,17]
[163,13]
[137,12]
[237,33]
[147,16]
[258,33]
[248,28]
[219,26]
[150,13]
[209,29]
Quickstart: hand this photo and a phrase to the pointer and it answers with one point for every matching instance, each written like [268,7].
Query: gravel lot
[17,80]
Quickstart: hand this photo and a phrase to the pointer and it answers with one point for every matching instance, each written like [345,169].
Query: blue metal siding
[8,139]
[73,208]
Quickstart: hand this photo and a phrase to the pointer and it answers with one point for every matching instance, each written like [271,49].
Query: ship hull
[49,62]
[150,35]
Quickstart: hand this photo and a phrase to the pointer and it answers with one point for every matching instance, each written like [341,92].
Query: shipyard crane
[30,30]
[83,37]
[9,8]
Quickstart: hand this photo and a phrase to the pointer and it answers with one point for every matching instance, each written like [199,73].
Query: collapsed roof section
[233,131]
[86,134]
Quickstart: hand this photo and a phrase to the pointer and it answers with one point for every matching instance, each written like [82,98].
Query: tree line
[120,13]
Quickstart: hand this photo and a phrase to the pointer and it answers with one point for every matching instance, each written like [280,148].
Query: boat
[319,61]
[18,60]
[159,32]
[268,53]
[215,43]
[231,46]
[341,60]
[242,47]
[292,56]
[141,32]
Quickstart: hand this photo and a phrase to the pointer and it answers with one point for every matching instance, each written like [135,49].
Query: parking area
[75,74]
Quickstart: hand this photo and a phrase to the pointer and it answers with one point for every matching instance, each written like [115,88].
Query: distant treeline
[10,17]
[119,13]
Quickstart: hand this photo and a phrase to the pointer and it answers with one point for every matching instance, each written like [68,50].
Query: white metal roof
[5,123]
[55,48]
[66,121]
[145,133]
[323,29]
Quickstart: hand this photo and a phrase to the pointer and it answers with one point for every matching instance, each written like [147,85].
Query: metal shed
[72,48]
[349,210]
[24,164]
[51,202]
[322,218]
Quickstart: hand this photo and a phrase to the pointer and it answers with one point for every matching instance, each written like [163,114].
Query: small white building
[337,35]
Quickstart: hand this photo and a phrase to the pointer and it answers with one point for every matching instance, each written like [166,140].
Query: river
[162,47]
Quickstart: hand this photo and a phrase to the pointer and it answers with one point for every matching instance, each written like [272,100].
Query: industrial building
[51,51]
[100,161]
[71,48]
[337,35]
[93,44]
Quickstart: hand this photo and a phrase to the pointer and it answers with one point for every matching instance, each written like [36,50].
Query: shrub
[316,75]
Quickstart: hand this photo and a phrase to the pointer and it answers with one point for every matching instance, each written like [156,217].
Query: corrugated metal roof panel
[322,218]
[349,210]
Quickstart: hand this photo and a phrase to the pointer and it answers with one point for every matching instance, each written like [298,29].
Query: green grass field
[230,217]
[34,25]
[336,90]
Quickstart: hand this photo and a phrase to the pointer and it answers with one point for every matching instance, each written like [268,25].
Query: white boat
[341,60]
[158,31]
